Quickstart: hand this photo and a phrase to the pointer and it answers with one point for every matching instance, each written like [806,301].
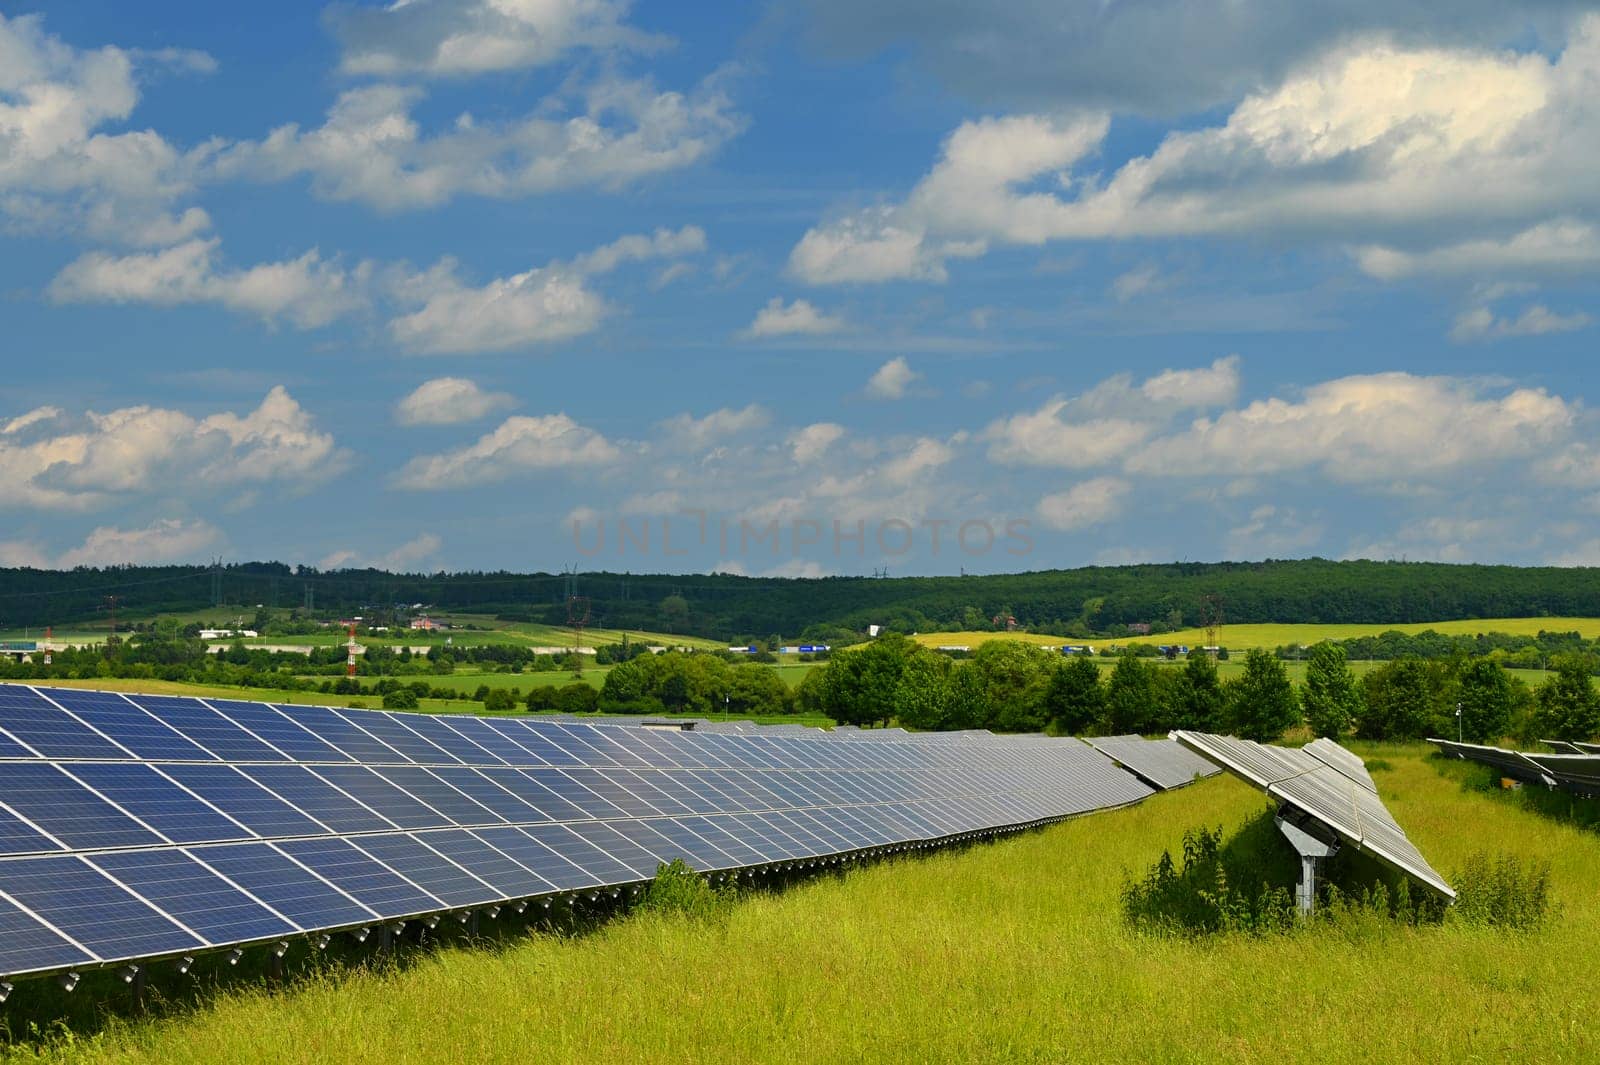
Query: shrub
[500,700]
[1204,895]
[678,889]
[400,699]
[1502,893]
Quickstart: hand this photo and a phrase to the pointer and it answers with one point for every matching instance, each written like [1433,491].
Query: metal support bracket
[1305,836]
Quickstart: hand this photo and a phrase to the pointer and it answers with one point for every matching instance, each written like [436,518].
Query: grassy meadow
[1013,951]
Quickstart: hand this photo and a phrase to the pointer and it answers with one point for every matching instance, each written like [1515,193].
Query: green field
[1243,637]
[1013,951]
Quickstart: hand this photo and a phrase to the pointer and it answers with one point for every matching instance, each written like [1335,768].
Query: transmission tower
[577,618]
[1211,616]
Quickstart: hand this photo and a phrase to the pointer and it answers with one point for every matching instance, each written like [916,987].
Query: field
[1012,951]
[1243,637]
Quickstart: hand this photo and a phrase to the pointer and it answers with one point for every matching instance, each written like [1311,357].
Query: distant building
[427,624]
[1139,628]
[1076,649]
[228,634]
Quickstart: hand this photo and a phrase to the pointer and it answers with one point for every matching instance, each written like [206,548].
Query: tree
[1074,700]
[1014,676]
[1130,695]
[922,698]
[577,698]
[858,688]
[1567,708]
[501,700]
[1196,699]
[1396,701]
[1330,696]
[1261,702]
[1486,698]
[674,611]
[400,699]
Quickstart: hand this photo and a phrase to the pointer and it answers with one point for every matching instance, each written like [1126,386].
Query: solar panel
[135,827]
[1311,785]
[1163,764]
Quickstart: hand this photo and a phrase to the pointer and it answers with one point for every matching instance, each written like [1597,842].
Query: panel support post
[1305,836]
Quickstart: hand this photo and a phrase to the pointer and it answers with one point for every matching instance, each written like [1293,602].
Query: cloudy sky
[807,287]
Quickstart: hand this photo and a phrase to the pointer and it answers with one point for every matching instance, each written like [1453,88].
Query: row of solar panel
[79,806]
[1578,772]
[60,723]
[64,911]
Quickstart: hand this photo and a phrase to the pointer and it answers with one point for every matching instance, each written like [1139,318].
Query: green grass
[1007,952]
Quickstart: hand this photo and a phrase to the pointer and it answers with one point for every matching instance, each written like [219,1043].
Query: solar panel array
[1576,770]
[1163,764]
[1326,785]
[136,827]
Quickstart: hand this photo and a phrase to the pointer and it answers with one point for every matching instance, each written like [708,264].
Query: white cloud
[1044,438]
[810,443]
[465,37]
[924,455]
[140,449]
[449,401]
[1480,323]
[800,317]
[1214,386]
[372,150]
[874,246]
[1271,532]
[58,170]
[1376,428]
[520,444]
[1086,503]
[543,305]
[169,540]
[31,418]
[698,432]
[405,558]
[1550,247]
[1371,141]
[308,291]
[892,379]
[1139,281]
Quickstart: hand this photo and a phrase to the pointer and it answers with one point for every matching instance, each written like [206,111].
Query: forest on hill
[1093,600]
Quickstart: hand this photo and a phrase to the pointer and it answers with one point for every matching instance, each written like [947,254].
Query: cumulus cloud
[372,150]
[1481,323]
[543,305]
[1045,438]
[1564,246]
[169,540]
[1212,386]
[407,557]
[449,401]
[1086,503]
[777,319]
[308,291]
[453,38]
[1371,138]
[719,424]
[100,457]
[892,379]
[1380,428]
[811,442]
[521,444]
[59,170]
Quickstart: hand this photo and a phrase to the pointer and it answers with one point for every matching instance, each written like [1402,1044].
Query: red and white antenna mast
[350,653]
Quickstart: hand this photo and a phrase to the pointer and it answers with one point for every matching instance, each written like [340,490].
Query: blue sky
[809,288]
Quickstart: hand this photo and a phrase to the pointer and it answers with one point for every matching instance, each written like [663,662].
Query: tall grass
[1014,951]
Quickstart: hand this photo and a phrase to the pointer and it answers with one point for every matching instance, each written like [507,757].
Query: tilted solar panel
[134,827]
[1332,796]
[1163,764]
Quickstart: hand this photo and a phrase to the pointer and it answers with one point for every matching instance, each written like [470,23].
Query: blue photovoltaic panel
[63,807]
[552,867]
[424,785]
[307,792]
[209,729]
[586,856]
[535,742]
[50,730]
[17,838]
[528,788]
[509,877]
[143,734]
[635,858]
[741,852]
[301,896]
[438,731]
[92,910]
[599,782]
[244,800]
[428,870]
[377,887]
[341,734]
[265,721]
[26,945]
[394,805]
[642,787]
[158,802]
[673,786]
[479,732]
[393,732]
[192,894]
[680,842]
[487,793]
